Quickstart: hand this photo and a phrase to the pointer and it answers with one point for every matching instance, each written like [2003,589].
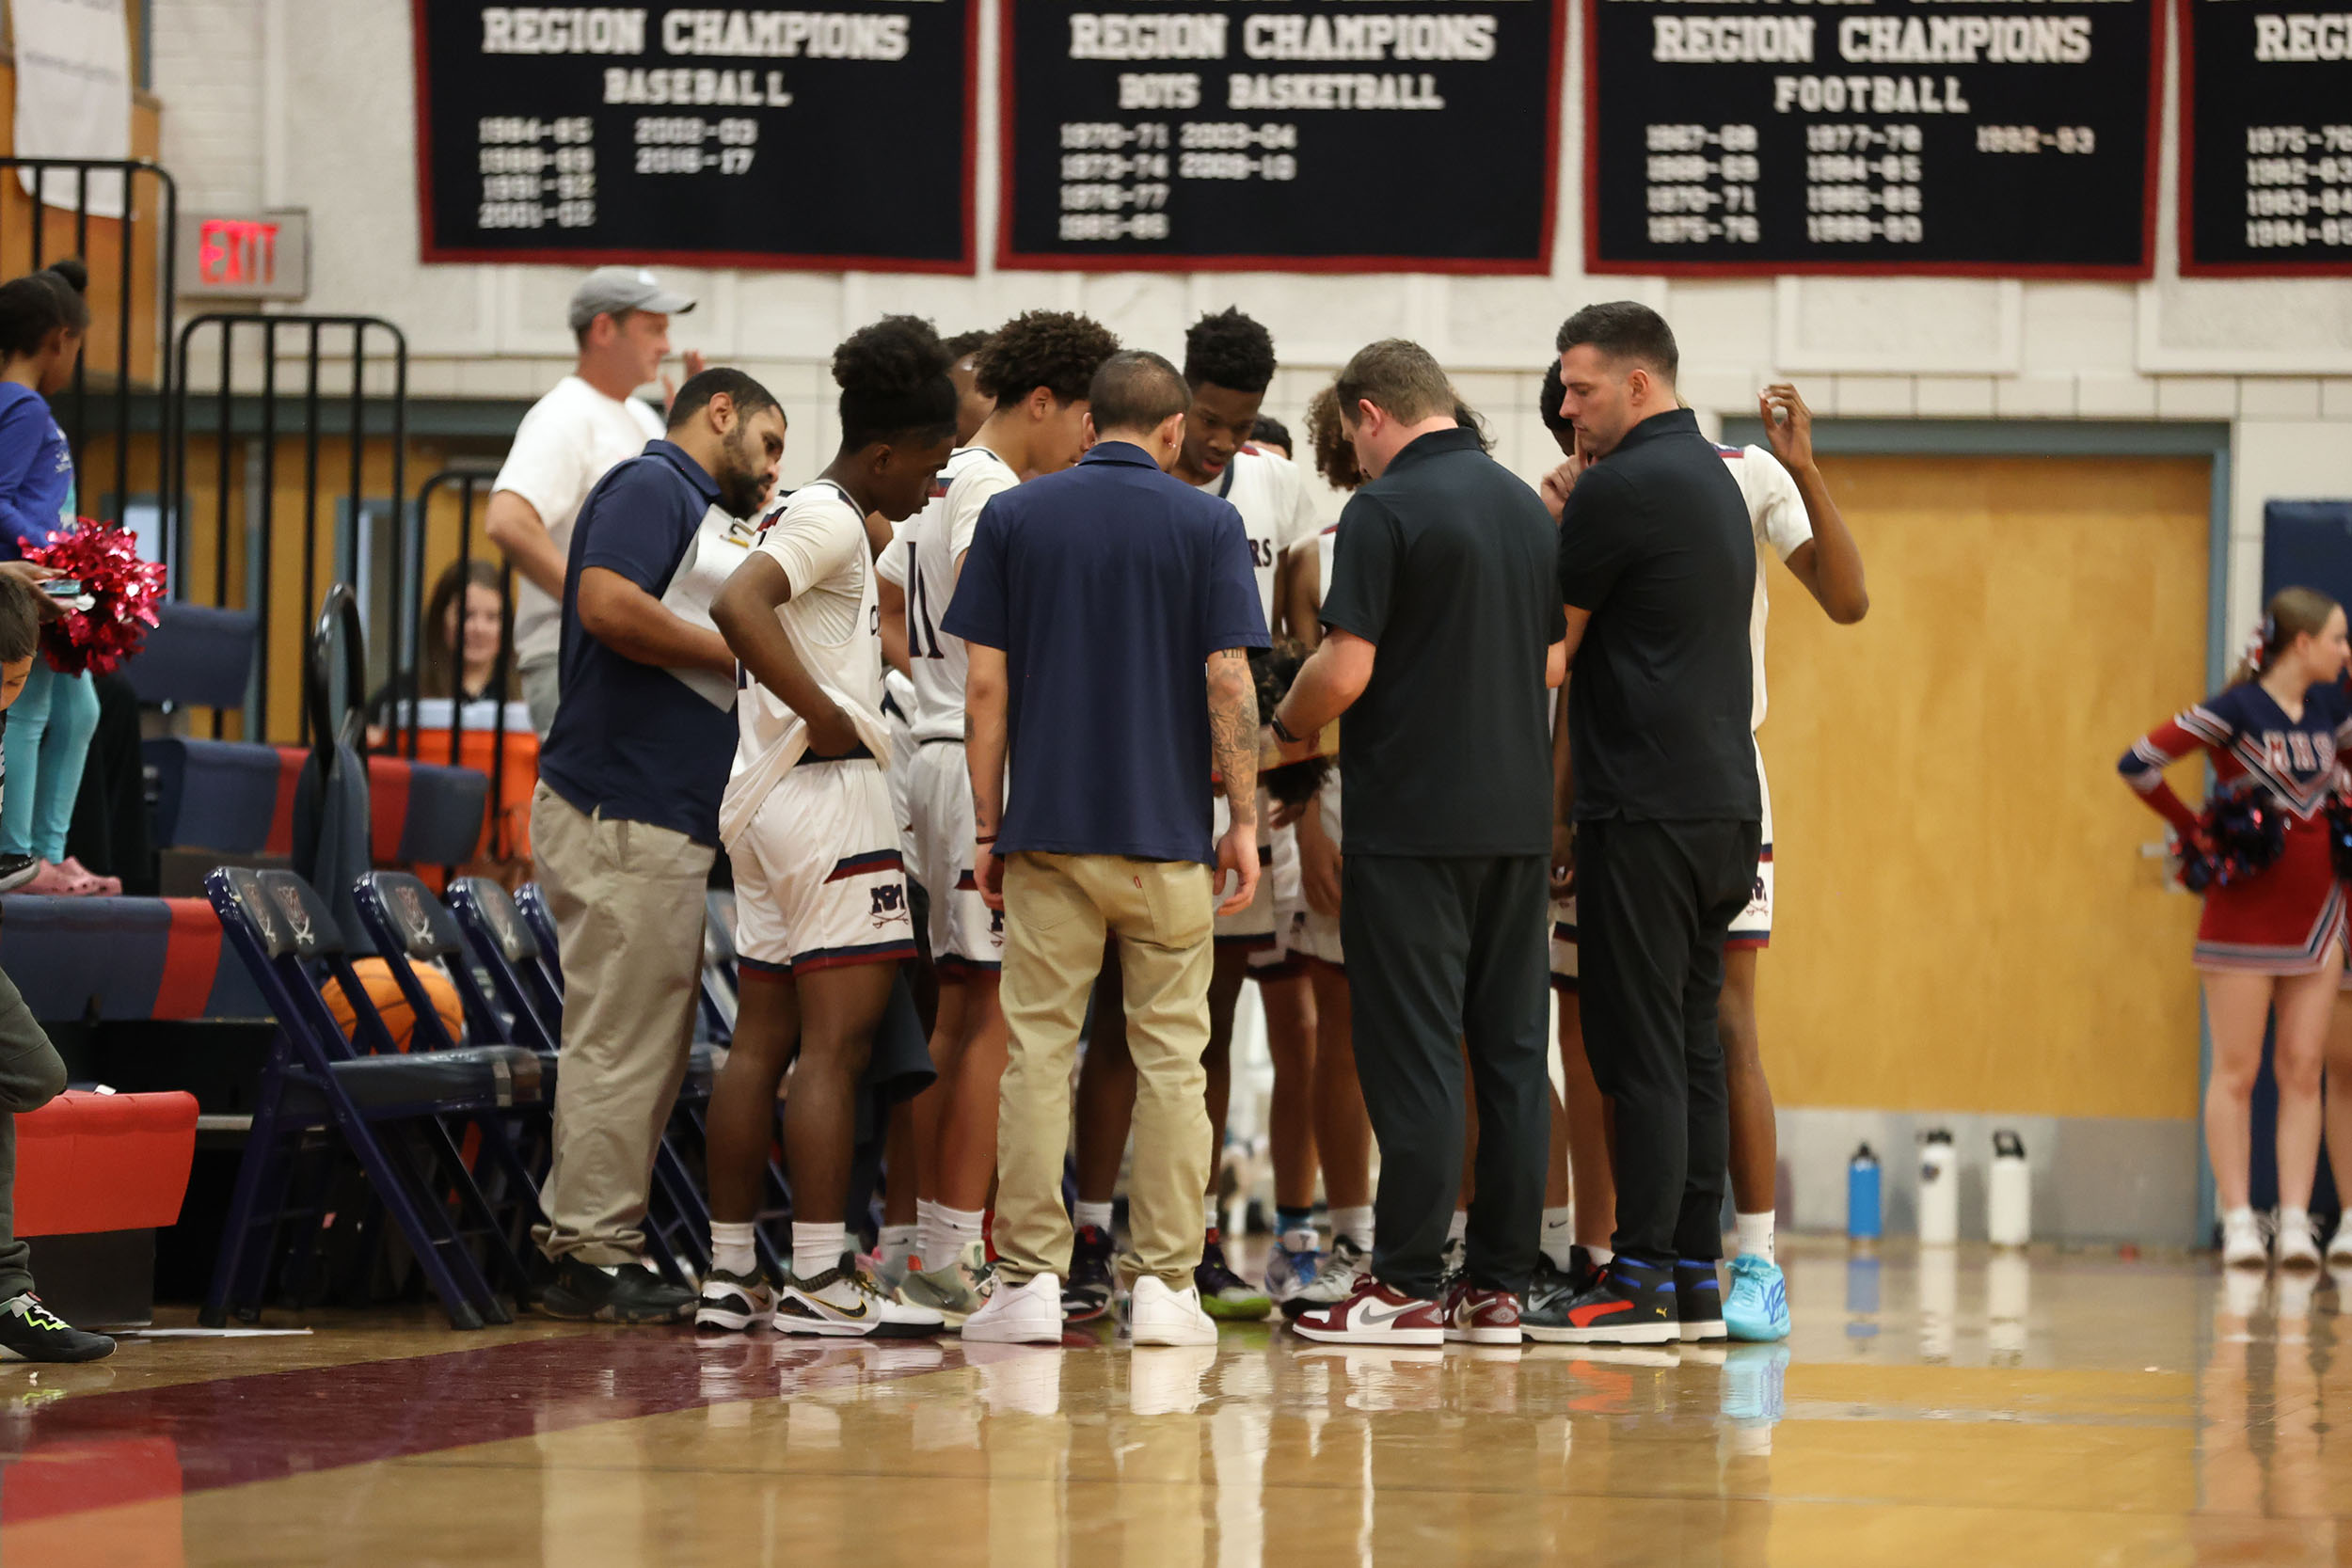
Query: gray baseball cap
[615,289]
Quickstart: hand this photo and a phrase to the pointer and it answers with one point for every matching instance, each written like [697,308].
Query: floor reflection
[1938,1407]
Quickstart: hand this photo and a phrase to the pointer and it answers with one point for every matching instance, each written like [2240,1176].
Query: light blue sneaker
[1294,1264]
[1757,1306]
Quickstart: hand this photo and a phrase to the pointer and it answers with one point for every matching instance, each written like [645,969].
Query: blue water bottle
[1862,1196]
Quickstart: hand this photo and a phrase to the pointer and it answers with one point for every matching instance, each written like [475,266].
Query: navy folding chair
[412,930]
[720,998]
[386,1106]
[530,903]
[677,1220]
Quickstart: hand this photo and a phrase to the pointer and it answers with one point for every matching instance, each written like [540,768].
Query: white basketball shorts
[819,881]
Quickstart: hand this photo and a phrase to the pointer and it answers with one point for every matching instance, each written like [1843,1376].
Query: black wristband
[1281,731]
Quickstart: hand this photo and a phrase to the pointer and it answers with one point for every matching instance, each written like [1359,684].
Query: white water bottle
[1939,1189]
[2008,1192]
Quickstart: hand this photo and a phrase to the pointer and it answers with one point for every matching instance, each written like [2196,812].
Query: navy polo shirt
[631,740]
[1108,586]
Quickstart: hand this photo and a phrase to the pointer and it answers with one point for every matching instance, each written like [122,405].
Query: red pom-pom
[123,589]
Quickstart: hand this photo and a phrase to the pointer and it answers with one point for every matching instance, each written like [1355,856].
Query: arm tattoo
[1233,728]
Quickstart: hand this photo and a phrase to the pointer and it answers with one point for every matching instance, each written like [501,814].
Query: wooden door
[1964,920]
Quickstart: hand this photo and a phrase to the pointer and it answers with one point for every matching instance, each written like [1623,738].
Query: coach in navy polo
[624,827]
[1110,610]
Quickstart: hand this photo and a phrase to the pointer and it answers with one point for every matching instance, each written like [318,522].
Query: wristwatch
[1281,731]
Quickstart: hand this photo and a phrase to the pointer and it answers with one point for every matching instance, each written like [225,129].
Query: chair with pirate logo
[528,986]
[414,935]
[389,1109]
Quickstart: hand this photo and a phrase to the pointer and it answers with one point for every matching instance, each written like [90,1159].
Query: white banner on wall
[72,95]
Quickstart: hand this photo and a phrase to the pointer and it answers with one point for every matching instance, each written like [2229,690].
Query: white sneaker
[1028,1314]
[845,1301]
[2299,1242]
[2243,1244]
[1159,1316]
[2340,1245]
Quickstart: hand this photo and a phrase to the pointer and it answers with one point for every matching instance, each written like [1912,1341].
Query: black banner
[698,135]
[1344,136]
[2267,138]
[1972,136]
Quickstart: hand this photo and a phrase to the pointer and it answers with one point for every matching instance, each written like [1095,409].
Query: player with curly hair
[1037,369]
[822,920]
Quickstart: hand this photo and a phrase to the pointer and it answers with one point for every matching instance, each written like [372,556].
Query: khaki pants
[627,901]
[1057,909]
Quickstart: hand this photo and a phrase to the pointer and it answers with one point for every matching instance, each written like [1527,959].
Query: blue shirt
[631,740]
[1108,586]
[36,470]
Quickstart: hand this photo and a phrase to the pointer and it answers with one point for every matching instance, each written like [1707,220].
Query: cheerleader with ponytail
[2272,935]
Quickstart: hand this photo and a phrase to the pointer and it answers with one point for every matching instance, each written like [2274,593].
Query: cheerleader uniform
[2290,918]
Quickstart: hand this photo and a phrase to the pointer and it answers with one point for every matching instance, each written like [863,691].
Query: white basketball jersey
[834,621]
[1776,509]
[1270,494]
[922,560]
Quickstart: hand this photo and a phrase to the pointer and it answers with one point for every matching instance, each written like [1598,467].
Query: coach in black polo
[1443,640]
[1658,569]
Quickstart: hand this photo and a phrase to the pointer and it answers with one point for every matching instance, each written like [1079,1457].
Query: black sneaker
[1088,1295]
[16,870]
[1631,1303]
[1698,1301]
[30,1332]
[633,1293]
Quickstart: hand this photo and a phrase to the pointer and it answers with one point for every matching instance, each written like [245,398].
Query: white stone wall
[334,132]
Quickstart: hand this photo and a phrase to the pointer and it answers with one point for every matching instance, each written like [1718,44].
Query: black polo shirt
[1657,548]
[1444,562]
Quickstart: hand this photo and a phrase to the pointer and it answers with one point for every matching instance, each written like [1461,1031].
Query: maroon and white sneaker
[1478,1317]
[1374,1314]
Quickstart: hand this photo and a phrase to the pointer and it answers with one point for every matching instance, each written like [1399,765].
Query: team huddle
[857,851]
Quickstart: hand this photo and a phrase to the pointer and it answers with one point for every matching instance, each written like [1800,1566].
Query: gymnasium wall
[308,103]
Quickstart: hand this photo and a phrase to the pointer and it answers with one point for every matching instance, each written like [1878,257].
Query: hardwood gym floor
[1967,1409]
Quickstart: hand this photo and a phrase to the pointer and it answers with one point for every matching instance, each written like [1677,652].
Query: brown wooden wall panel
[1964,921]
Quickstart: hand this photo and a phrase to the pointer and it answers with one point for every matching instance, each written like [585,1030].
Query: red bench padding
[88,1162]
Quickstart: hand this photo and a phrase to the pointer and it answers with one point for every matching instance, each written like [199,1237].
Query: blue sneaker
[1294,1264]
[1757,1308]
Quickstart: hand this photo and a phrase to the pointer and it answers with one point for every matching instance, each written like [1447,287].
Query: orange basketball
[384,993]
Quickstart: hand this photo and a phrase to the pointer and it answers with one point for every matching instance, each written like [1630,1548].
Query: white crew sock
[2296,1222]
[2244,1215]
[1559,1235]
[1755,1234]
[959,1228]
[731,1249]
[1355,1224]
[926,1237]
[1600,1255]
[1209,1215]
[1457,1228]
[1082,1213]
[898,1244]
[816,1249]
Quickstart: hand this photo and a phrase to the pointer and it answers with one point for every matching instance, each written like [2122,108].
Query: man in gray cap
[587,422]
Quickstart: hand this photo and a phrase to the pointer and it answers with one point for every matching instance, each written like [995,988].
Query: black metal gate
[115,404]
[266,409]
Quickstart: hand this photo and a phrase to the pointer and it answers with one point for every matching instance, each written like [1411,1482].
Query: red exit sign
[245,256]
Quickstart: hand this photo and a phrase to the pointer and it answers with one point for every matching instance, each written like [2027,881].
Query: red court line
[234,1431]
